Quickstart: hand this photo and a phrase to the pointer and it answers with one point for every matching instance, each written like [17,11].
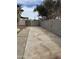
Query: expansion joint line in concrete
[26,43]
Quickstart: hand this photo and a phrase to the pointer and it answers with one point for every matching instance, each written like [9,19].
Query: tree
[41,10]
[49,8]
[58,8]
[19,11]
[54,8]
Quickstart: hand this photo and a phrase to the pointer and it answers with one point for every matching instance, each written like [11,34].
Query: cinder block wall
[35,23]
[52,25]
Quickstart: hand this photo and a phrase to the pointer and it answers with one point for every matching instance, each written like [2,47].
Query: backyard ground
[20,27]
[37,43]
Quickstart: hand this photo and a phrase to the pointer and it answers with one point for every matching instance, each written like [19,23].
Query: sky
[28,6]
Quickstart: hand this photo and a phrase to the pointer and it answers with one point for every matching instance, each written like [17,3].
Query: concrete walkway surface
[37,43]
[21,42]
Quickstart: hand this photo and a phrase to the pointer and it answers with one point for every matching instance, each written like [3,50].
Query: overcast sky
[28,6]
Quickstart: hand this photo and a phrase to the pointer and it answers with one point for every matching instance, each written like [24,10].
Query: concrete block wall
[35,23]
[52,25]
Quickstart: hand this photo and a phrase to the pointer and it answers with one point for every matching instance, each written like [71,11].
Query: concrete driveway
[39,44]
